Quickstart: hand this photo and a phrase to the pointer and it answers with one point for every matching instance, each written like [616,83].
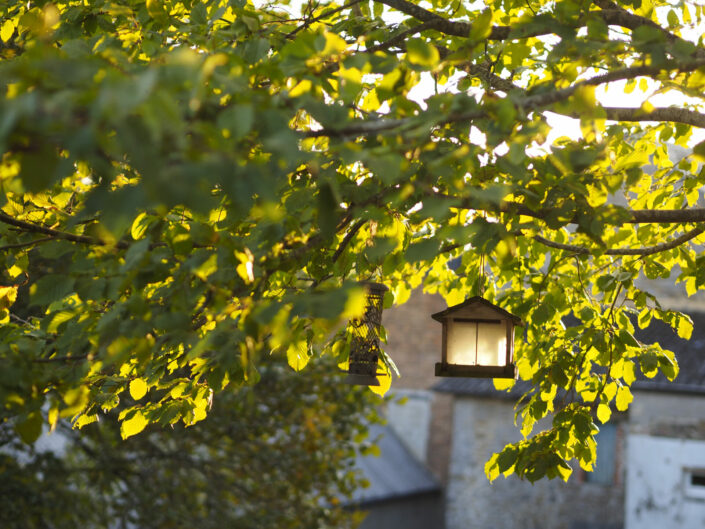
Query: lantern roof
[477,302]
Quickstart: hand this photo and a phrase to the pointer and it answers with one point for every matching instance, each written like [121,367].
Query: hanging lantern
[478,340]
[364,346]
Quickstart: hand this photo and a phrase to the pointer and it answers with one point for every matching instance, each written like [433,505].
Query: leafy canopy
[192,187]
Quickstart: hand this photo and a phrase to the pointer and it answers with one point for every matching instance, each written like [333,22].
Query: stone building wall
[483,426]
[662,414]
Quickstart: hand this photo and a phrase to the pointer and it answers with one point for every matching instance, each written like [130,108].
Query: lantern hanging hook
[481,271]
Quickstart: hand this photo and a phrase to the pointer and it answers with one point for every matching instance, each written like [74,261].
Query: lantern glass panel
[462,342]
[476,343]
[491,344]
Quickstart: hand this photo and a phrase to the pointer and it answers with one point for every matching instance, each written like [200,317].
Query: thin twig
[346,240]
[56,234]
[25,244]
[327,14]
[60,359]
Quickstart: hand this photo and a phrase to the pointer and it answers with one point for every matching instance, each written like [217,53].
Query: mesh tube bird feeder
[364,345]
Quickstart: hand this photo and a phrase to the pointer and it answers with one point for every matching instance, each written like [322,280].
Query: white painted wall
[656,496]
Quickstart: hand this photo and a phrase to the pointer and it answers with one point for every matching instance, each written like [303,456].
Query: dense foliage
[278,454]
[191,187]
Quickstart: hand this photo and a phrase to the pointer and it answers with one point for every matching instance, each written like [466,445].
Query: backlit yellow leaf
[209,267]
[302,88]
[297,355]
[8,295]
[139,226]
[6,31]
[565,471]
[503,384]
[334,44]
[690,286]
[624,398]
[133,426]
[385,379]
[603,413]
[355,304]
[491,468]
[629,372]
[138,388]
[685,327]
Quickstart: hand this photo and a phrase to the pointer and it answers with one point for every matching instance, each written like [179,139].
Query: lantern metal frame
[365,348]
[477,310]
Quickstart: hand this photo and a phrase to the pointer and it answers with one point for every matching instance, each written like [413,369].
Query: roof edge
[438,316]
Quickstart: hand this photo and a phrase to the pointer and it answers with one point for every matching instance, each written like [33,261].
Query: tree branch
[449,27]
[611,13]
[633,216]
[669,114]
[56,234]
[529,103]
[615,15]
[648,250]
[397,40]
[462,29]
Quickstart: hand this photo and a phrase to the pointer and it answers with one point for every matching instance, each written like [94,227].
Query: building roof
[394,474]
[689,353]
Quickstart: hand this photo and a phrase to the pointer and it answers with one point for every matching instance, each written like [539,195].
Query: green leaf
[506,459]
[39,168]
[668,365]
[30,428]
[421,53]
[327,210]
[237,120]
[136,253]
[422,251]
[481,26]
[51,288]
[672,18]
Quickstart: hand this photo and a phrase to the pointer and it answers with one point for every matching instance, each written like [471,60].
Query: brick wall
[414,343]
[414,339]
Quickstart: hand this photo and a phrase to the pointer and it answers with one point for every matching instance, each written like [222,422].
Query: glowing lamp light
[478,340]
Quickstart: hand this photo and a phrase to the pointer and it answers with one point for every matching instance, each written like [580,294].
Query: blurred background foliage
[276,454]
